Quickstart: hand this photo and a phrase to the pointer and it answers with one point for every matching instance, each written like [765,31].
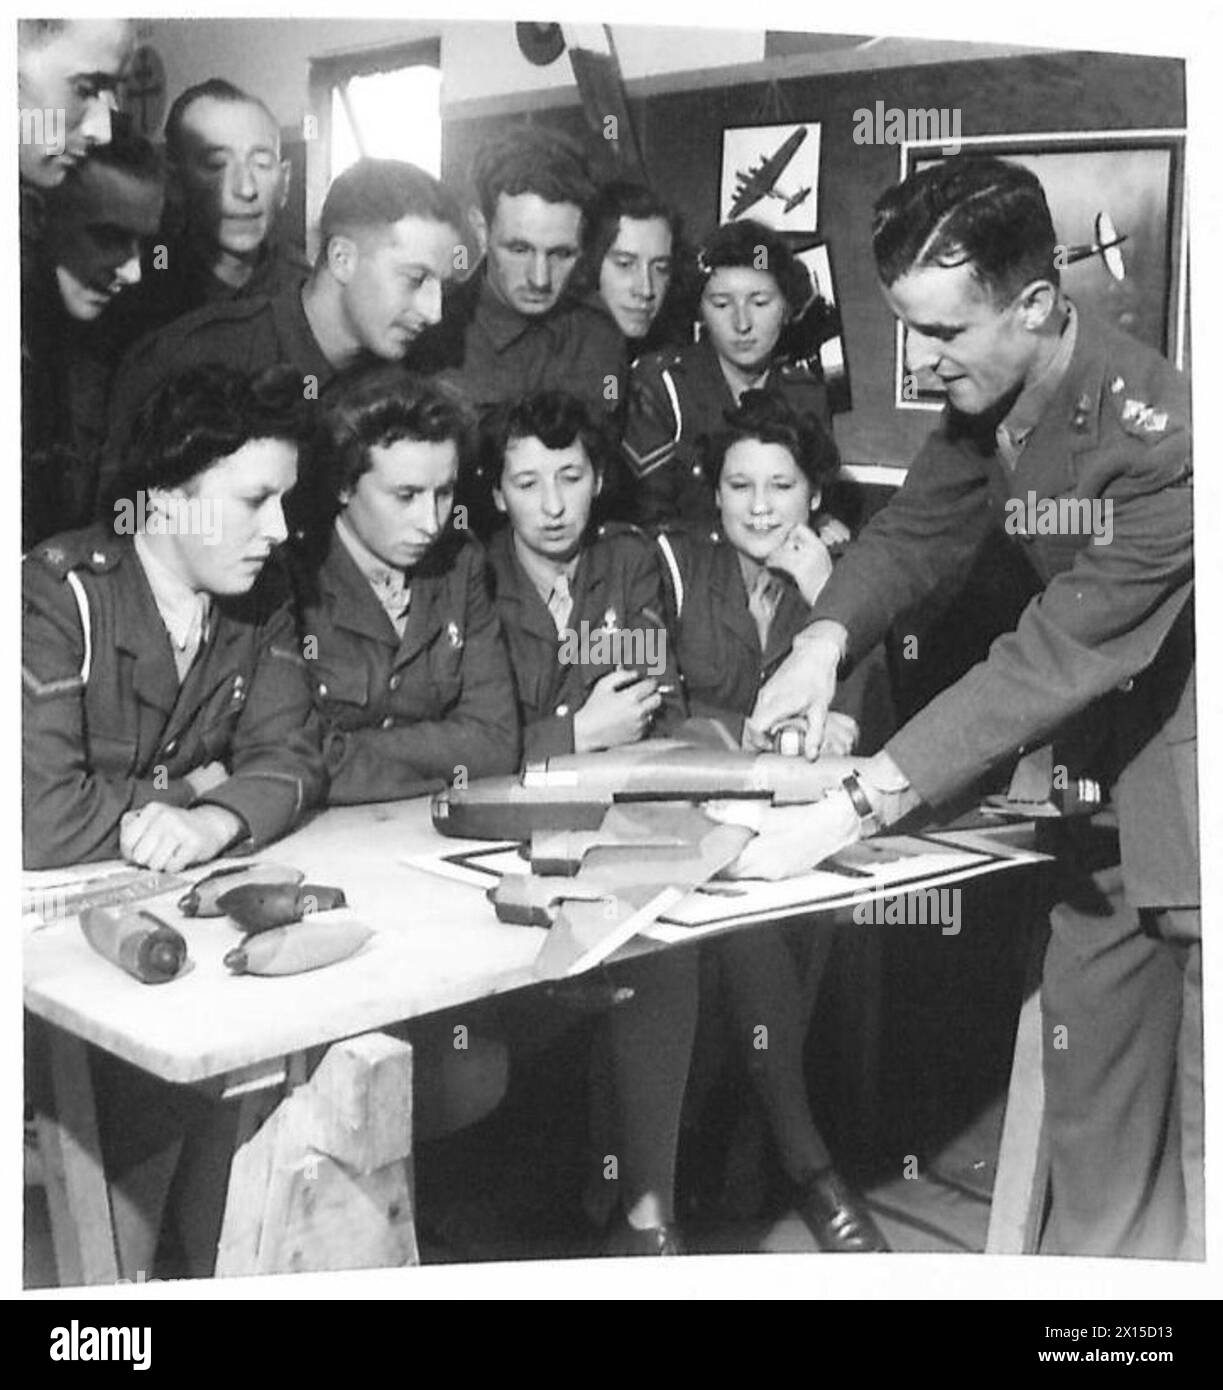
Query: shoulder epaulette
[609,530]
[78,550]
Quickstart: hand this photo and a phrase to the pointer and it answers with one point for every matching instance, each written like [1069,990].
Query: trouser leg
[1112,1016]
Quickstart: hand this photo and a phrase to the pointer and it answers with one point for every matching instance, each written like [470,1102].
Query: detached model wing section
[618,891]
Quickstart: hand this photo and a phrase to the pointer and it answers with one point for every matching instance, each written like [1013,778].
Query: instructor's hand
[803,684]
[793,840]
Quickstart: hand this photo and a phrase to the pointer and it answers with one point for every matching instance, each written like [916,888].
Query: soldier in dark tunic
[1076,439]
[86,262]
[388,238]
[220,238]
[752,287]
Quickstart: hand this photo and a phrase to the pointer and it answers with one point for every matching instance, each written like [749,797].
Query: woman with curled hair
[410,675]
[167,718]
[752,286]
[739,594]
[166,713]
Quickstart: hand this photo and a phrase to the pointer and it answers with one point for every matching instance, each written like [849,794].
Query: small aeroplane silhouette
[760,181]
[1105,245]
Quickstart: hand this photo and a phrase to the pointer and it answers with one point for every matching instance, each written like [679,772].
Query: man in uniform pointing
[1044,399]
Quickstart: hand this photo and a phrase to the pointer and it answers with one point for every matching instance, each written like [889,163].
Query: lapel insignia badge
[1144,417]
[455,636]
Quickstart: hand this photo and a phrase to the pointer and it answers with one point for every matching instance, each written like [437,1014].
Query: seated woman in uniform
[410,674]
[560,588]
[167,711]
[167,717]
[739,596]
[581,607]
[752,286]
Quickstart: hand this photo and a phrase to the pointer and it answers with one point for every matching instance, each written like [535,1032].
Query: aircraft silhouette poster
[771,173]
[1116,199]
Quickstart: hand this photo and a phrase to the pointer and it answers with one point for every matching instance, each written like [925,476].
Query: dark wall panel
[680,137]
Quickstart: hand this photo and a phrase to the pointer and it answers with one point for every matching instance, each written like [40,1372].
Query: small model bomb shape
[141,944]
[260,907]
[202,899]
[291,950]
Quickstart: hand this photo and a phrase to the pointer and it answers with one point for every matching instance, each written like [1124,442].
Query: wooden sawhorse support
[321,1176]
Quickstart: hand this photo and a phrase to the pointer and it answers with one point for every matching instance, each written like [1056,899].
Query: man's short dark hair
[204,414]
[968,210]
[556,418]
[765,417]
[127,153]
[529,159]
[379,193]
[751,244]
[213,89]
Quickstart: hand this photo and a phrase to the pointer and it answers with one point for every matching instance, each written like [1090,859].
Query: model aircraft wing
[1110,246]
[749,192]
[634,890]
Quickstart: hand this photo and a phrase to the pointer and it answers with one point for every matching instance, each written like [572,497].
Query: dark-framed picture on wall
[772,173]
[1118,204]
[816,334]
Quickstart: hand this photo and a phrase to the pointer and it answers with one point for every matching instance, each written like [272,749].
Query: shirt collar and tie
[390,585]
[763,595]
[1030,406]
[554,585]
[184,610]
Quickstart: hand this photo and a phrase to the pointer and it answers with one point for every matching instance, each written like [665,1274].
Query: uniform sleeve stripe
[82,603]
[677,582]
[676,412]
[43,688]
[649,461]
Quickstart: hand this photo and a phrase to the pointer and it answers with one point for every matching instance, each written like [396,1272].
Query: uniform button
[322,689]
[1126,685]
[98,558]
[393,683]
[562,711]
[388,722]
[696,470]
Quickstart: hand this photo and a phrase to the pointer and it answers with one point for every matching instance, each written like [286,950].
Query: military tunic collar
[296,337]
[184,610]
[389,584]
[1036,397]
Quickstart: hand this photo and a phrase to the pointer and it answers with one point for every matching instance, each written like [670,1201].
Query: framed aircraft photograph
[771,173]
[1117,201]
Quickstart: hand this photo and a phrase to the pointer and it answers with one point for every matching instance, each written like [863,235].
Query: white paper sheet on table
[877,868]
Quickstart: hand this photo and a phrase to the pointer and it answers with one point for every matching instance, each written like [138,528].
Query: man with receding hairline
[228,185]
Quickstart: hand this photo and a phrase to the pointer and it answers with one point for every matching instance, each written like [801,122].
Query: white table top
[436,944]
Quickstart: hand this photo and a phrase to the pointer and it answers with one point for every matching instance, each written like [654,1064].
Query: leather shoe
[648,1240]
[836,1215]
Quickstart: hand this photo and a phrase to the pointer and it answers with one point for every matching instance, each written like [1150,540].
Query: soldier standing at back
[220,238]
[753,286]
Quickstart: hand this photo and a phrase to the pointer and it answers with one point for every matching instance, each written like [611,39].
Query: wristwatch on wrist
[861,803]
